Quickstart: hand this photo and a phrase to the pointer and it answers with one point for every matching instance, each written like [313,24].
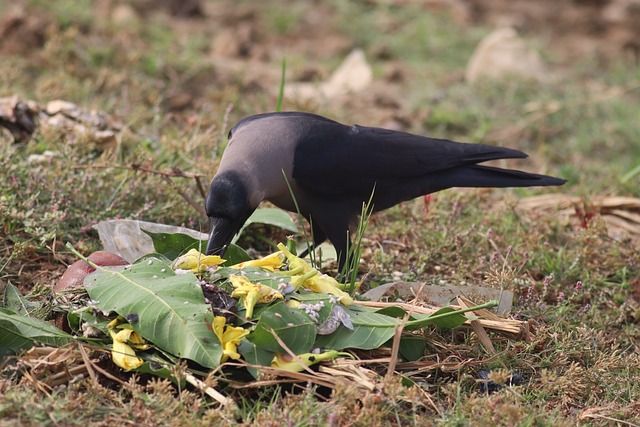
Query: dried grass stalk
[621,214]
[491,322]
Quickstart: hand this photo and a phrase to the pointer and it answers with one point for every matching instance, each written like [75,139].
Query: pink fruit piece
[74,276]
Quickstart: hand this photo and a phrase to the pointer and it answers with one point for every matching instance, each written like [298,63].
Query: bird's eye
[230,133]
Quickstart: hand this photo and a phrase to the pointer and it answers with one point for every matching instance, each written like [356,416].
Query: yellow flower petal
[115,322]
[296,264]
[269,262]
[293,303]
[325,284]
[121,353]
[303,275]
[252,293]
[288,363]
[230,337]
[137,342]
[196,261]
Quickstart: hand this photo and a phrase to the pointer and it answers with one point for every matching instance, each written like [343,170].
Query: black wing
[335,160]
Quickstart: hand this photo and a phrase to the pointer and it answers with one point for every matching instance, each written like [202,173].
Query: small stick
[185,196]
[395,348]
[203,193]
[210,391]
[174,172]
[166,175]
[88,363]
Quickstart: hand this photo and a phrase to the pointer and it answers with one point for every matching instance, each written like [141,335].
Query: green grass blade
[282,83]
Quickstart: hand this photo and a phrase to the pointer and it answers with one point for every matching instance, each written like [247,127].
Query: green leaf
[235,255]
[156,370]
[314,298]
[394,311]
[15,301]
[370,330]
[153,255]
[167,309]
[446,318]
[281,91]
[90,317]
[172,245]
[270,216]
[255,356]
[412,347]
[294,328]
[18,332]
[156,364]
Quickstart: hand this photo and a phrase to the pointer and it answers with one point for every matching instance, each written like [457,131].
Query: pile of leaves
[239,318]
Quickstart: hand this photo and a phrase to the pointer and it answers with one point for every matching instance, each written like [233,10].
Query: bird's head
[228,206]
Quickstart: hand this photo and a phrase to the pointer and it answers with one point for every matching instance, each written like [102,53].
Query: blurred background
[92,90]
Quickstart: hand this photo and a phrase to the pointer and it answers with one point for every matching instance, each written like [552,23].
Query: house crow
[332,168]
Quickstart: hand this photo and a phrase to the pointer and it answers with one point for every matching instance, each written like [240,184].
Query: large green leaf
[446,317]
[172,245]
[255,356]
[294,328]
[313,298]
[271,216]
[412,347]
[167,309]
[370,330]
[235,255]
[18,332]
[15,301]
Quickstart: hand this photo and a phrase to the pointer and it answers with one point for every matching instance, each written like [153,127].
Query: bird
[325,170]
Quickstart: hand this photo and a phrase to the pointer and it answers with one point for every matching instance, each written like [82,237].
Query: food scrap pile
[249,319]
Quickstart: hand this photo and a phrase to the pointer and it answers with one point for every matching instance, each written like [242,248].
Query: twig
[477,327]
[166,175]
[616,420]
[290,353]
[66,374]
[185,196]
[509,326]
[395,348]
[203,193]
[174,172]
[88,363]
[210,391]
[108,375]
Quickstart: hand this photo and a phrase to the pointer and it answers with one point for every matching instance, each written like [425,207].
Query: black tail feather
[487,176]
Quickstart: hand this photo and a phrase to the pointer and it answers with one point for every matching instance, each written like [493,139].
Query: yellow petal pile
[269,262]
[303,275]
[196,261]
[252,293]
[230,337]
[288,363]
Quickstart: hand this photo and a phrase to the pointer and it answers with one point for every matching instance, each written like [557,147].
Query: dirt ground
[569,28]
[565,30]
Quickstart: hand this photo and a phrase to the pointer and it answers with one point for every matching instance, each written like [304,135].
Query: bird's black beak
[221,232]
